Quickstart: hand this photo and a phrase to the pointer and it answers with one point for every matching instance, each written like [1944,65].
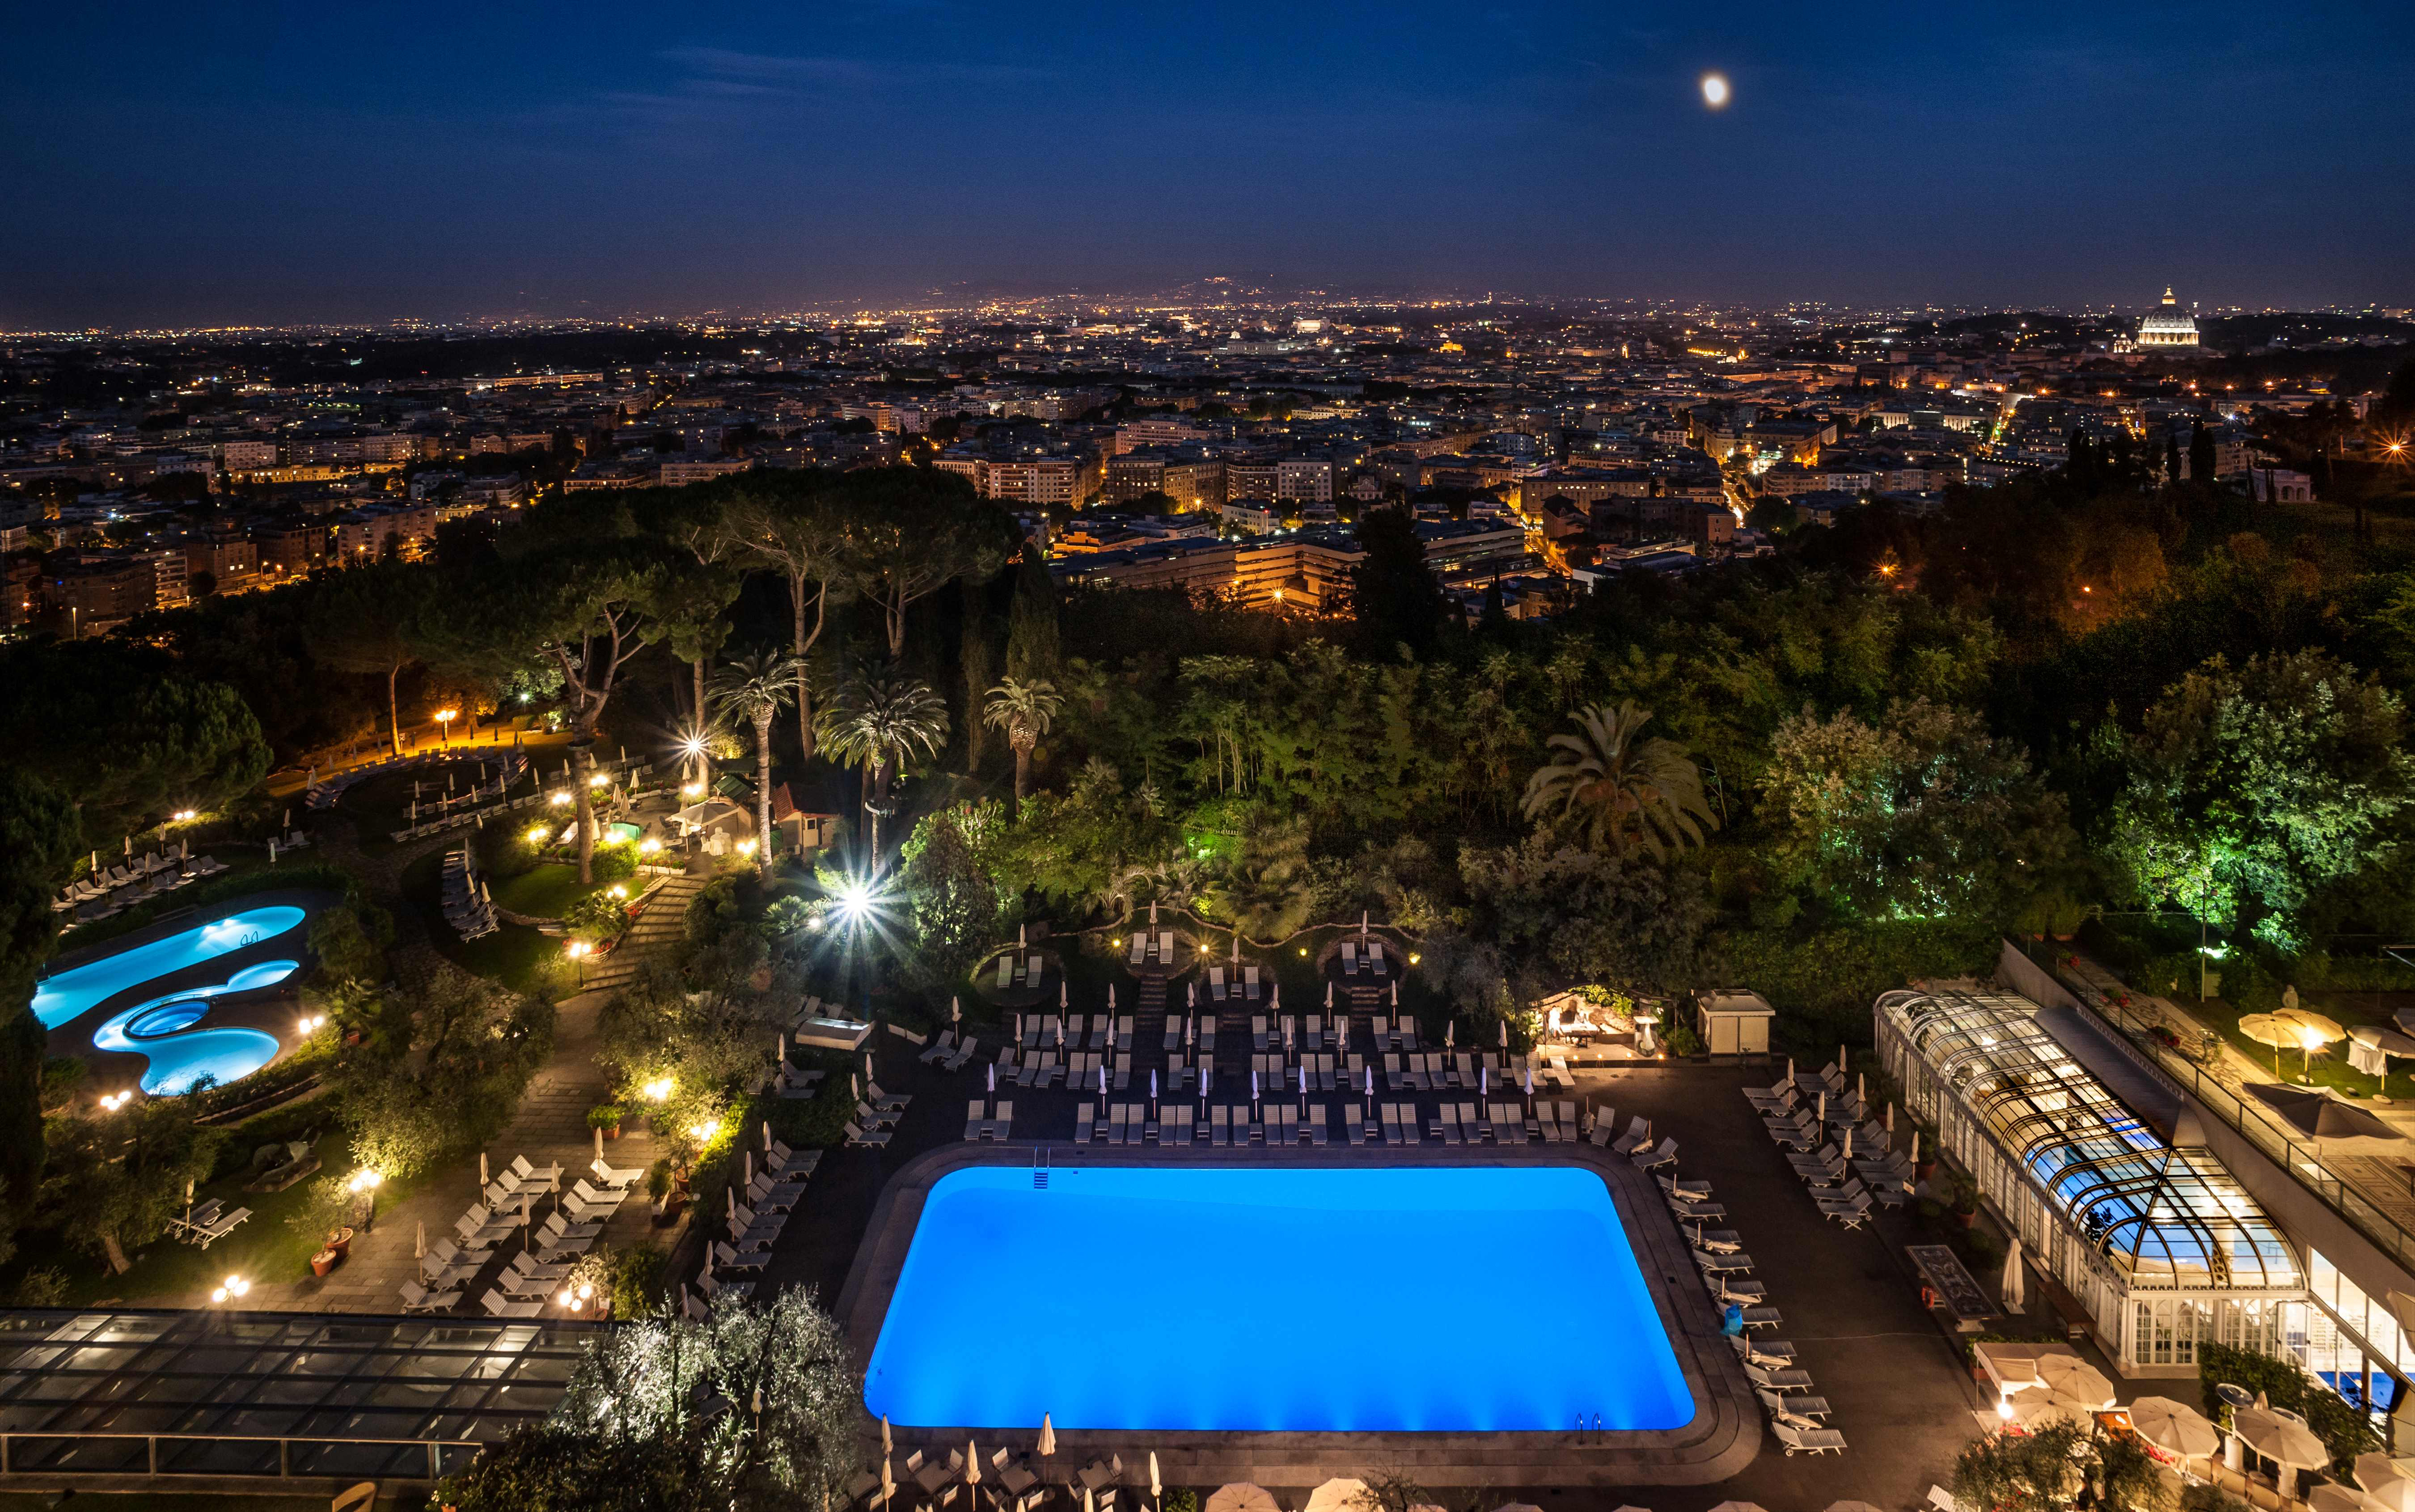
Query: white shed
[1734,1020]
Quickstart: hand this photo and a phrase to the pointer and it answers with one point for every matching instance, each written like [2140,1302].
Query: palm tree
[1023,710]
[754,689]
[1625,790]
[879,718]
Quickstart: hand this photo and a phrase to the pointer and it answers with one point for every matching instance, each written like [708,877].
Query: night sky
[168,163]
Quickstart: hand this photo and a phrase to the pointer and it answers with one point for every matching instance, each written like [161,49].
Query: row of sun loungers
[1796,1415]
[504,1210]
[467,908]
[773,1196]
[130,883]
[1819,1125]
[876,1115]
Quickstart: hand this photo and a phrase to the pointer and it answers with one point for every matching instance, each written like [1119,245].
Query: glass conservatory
[2161,1247]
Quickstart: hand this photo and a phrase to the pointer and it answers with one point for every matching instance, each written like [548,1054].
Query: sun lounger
[1719,1241]
[962,1056]
[1375,957]
[1001,1122]
[1778,1094]
[886,1101]
[219,1229]
[940,1048]
[1715,1263]
[1139,945]
[497,1306]
[1006,965]
[1665,1153]
[418,1298]
[1349,959]
[1639,1134]
[1219,1131]
[1446,1124]
[1796,1412]
[1568,1122]
[1317,1130]
[858,1136]
[1354,1128]
[976,1120]
[1216,982]
[1084,1124]
[1808,1441]
[1779,1381]
[1727,1289]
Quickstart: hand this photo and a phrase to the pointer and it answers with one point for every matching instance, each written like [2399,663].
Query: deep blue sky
[189,161]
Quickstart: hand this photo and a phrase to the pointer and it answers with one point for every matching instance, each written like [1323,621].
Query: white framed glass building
[2159,1244]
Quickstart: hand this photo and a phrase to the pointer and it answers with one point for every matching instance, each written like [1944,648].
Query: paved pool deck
[1900,1389]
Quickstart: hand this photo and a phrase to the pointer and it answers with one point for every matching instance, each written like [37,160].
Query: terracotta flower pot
[324,1260]
[611,1130]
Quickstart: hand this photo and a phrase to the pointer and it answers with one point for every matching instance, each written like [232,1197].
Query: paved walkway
[550,1127]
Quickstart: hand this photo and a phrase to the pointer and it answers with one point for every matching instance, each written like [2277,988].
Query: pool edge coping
[1723,1437]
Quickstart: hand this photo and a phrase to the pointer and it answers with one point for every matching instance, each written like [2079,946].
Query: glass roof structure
[2164,1217]
[260,1393]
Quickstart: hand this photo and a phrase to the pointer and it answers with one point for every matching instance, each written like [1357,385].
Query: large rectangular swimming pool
[1417,1299]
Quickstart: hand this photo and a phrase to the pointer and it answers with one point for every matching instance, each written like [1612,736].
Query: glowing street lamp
[445,718]
[364,1183]
[235,1289]
[577,950]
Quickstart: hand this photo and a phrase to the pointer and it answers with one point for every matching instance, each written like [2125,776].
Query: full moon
[1714,90]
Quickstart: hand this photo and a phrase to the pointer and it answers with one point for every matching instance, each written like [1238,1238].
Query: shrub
[2342,1430]
[349,941]
[603,1115]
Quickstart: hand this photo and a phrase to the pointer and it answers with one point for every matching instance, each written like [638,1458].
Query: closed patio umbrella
[1047,1435]
[2011,1288]
[2174,1426]
[1156,1486]
[1329,994]
[956,1013]
[419,1242]
[887,1476]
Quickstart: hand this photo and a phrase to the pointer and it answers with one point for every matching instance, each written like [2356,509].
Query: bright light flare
[1716,91]
[657,1090]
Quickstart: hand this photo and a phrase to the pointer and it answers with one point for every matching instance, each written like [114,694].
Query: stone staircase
[656,930]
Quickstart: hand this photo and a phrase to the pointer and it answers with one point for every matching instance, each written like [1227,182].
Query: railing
[2303,1162]
[12,1455]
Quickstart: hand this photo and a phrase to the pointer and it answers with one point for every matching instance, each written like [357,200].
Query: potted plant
[606,1117]
[659,1185]
[1965,1194]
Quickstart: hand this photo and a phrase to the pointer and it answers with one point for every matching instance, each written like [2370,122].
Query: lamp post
[577,951]
[445,718]
[364,1184]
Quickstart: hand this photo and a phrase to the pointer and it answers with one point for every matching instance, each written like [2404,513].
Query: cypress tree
[979,660]
[2201,462]
[1032,648]
[2171,456]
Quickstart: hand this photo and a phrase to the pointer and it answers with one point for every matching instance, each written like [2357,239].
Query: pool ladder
[1040,1170]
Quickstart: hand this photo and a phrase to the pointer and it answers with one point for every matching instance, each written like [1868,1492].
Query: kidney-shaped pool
[162,1029]
[1254,1298]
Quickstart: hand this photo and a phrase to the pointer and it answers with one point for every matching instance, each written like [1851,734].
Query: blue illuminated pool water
[1261,1299]
[61,997]
[178,1060]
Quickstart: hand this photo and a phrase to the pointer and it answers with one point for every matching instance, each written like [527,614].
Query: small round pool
[618,833]
[166,1020]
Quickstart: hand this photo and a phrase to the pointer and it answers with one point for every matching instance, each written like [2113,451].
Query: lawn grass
[165,1273]
[544,891]
[2331,1068]
[515,954]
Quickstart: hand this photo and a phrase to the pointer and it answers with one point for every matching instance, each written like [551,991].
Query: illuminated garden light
[657,1090]
[235,1290]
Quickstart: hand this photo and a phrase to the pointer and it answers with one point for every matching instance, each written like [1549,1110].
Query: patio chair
[1602,1124]
[873,1138]
[550,1174]
[1769,1353]
[1727,1289]
[886,1101]
[1807,1441]
[1713,1263]
[1853,1210]
[962,1056]
[615,1179]
[940,1048]
[1767,1099]
[1639,1134]
[1446,1124]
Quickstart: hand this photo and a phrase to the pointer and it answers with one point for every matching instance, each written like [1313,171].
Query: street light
[364,1183]
[577,951]
[445,718]
[235,1289]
